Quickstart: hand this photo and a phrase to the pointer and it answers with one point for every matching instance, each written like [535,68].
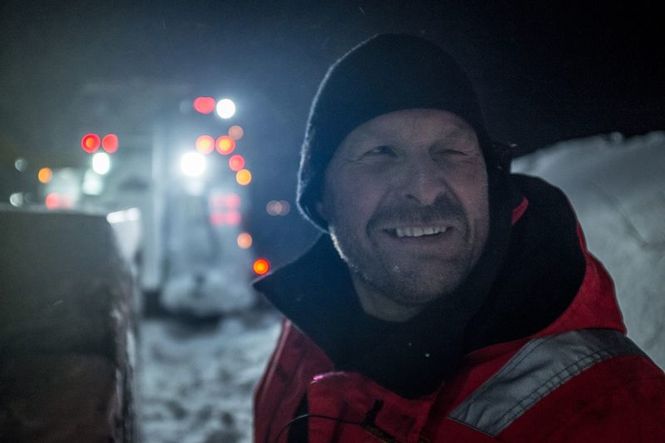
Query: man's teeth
[419,232]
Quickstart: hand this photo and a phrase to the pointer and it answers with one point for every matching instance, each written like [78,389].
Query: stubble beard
[405,282]
[394,275]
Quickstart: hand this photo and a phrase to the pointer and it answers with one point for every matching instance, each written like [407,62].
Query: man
[450,300]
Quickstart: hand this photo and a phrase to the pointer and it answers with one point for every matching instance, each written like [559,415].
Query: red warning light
[225,144]
[232,218]
[225,201]
[204,105]
[225,209]
[110,143]
[232,201]
[90,143]
[236,162]
[261,266]
[55,200]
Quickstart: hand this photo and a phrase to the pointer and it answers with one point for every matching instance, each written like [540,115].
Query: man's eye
[380,151]
[449,153]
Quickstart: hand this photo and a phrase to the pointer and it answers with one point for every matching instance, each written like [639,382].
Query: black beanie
[386,73]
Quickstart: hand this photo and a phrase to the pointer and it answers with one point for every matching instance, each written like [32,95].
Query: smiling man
[448,300]
[406,204]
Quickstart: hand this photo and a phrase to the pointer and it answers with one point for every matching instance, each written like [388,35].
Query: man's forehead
[411,124]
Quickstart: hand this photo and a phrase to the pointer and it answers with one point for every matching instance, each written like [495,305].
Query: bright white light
[192,164]
[225,108]
[131,214]
[21,164]
[16,199]
[101,163]
[93,184]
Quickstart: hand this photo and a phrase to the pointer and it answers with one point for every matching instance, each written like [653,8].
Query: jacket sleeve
[293,364]
[622,400]
[634,412]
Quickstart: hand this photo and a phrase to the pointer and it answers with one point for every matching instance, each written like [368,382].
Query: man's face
[406,199]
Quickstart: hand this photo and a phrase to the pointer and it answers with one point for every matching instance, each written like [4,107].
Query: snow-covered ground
[196,383]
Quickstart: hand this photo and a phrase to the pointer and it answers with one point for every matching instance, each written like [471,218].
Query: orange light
[244,240]
[225,144]
[236,162]
[90,143]
[261,266]
[243,177]
[204,105]
[205,144]
[45,175]
[236,132]
[110,143]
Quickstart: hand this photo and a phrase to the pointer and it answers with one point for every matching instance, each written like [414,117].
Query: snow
[617,187]
[196,381]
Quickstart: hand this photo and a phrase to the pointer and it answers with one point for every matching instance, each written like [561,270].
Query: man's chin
[419,296]
[417,290]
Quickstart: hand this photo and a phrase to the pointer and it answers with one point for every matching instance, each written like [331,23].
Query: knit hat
[386,73]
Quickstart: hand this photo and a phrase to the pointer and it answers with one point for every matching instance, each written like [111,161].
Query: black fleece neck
[541,275]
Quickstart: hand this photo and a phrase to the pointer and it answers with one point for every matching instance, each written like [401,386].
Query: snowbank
[617,187]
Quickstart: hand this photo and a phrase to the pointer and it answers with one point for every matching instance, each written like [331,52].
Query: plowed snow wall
[617,187]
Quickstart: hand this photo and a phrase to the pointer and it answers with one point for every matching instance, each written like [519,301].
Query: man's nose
[423,182]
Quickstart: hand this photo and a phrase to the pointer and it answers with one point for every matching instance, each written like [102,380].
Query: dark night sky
[545,71]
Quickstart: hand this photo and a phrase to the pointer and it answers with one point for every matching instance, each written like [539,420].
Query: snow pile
[617,187]
[196,382]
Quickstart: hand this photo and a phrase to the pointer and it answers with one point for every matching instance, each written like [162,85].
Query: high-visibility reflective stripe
[538,368]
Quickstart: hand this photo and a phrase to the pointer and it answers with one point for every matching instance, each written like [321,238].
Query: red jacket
[577,380]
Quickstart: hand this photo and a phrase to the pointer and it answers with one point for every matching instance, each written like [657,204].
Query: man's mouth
[417,231]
